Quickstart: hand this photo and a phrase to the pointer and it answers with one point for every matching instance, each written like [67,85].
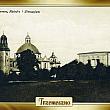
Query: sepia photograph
[55,52]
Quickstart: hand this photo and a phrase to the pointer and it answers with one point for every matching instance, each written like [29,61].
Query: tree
[13,76]
[89,71]
[68,71]
[43,74]
[100,71]
[2,77]
[27,62]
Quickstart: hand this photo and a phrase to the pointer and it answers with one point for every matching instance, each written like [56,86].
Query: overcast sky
[65,30]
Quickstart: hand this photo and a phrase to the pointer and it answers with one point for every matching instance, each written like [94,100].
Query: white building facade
[95,57]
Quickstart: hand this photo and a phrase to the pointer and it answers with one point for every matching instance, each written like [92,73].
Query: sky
[66,31]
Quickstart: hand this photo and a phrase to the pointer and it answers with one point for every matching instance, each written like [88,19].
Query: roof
[45,58]
[94,52]
[28,46]
[4,36]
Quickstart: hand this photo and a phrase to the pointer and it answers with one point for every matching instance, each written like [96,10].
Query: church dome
[28,45]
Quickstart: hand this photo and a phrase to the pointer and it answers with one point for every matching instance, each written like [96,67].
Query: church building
[8,64]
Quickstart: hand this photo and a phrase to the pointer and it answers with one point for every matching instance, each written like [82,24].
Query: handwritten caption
[20,11]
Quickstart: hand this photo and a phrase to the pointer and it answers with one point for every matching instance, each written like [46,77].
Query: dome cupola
[28,45]
[27,39]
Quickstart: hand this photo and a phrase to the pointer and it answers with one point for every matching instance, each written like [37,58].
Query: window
[98,61]
[45,65]
[89,62]
[55,60]
[93,62]
[7,54]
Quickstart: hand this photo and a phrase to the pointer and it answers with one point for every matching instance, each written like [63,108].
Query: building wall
[5,61]
[109,59]
[45,65]
[54,65]
[93,58]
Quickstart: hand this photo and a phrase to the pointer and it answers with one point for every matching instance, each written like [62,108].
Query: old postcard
[54,54]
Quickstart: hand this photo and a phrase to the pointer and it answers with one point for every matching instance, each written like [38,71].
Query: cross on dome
[3,32]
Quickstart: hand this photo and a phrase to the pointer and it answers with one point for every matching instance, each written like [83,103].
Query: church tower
[4,55]
[54,61]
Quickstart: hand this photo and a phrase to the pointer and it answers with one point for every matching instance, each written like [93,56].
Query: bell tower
[4,55]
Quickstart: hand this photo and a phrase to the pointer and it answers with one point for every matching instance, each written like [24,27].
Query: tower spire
[27,34]
[3,32]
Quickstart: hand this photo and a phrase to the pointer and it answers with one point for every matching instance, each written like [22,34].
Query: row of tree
[29,70]
[78,71]
[73,71]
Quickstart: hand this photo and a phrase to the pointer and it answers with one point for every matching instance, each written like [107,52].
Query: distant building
[95,57]
[44,63]
[54,61]
[8,64]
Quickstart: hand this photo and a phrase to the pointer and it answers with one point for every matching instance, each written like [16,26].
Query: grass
[81,91]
